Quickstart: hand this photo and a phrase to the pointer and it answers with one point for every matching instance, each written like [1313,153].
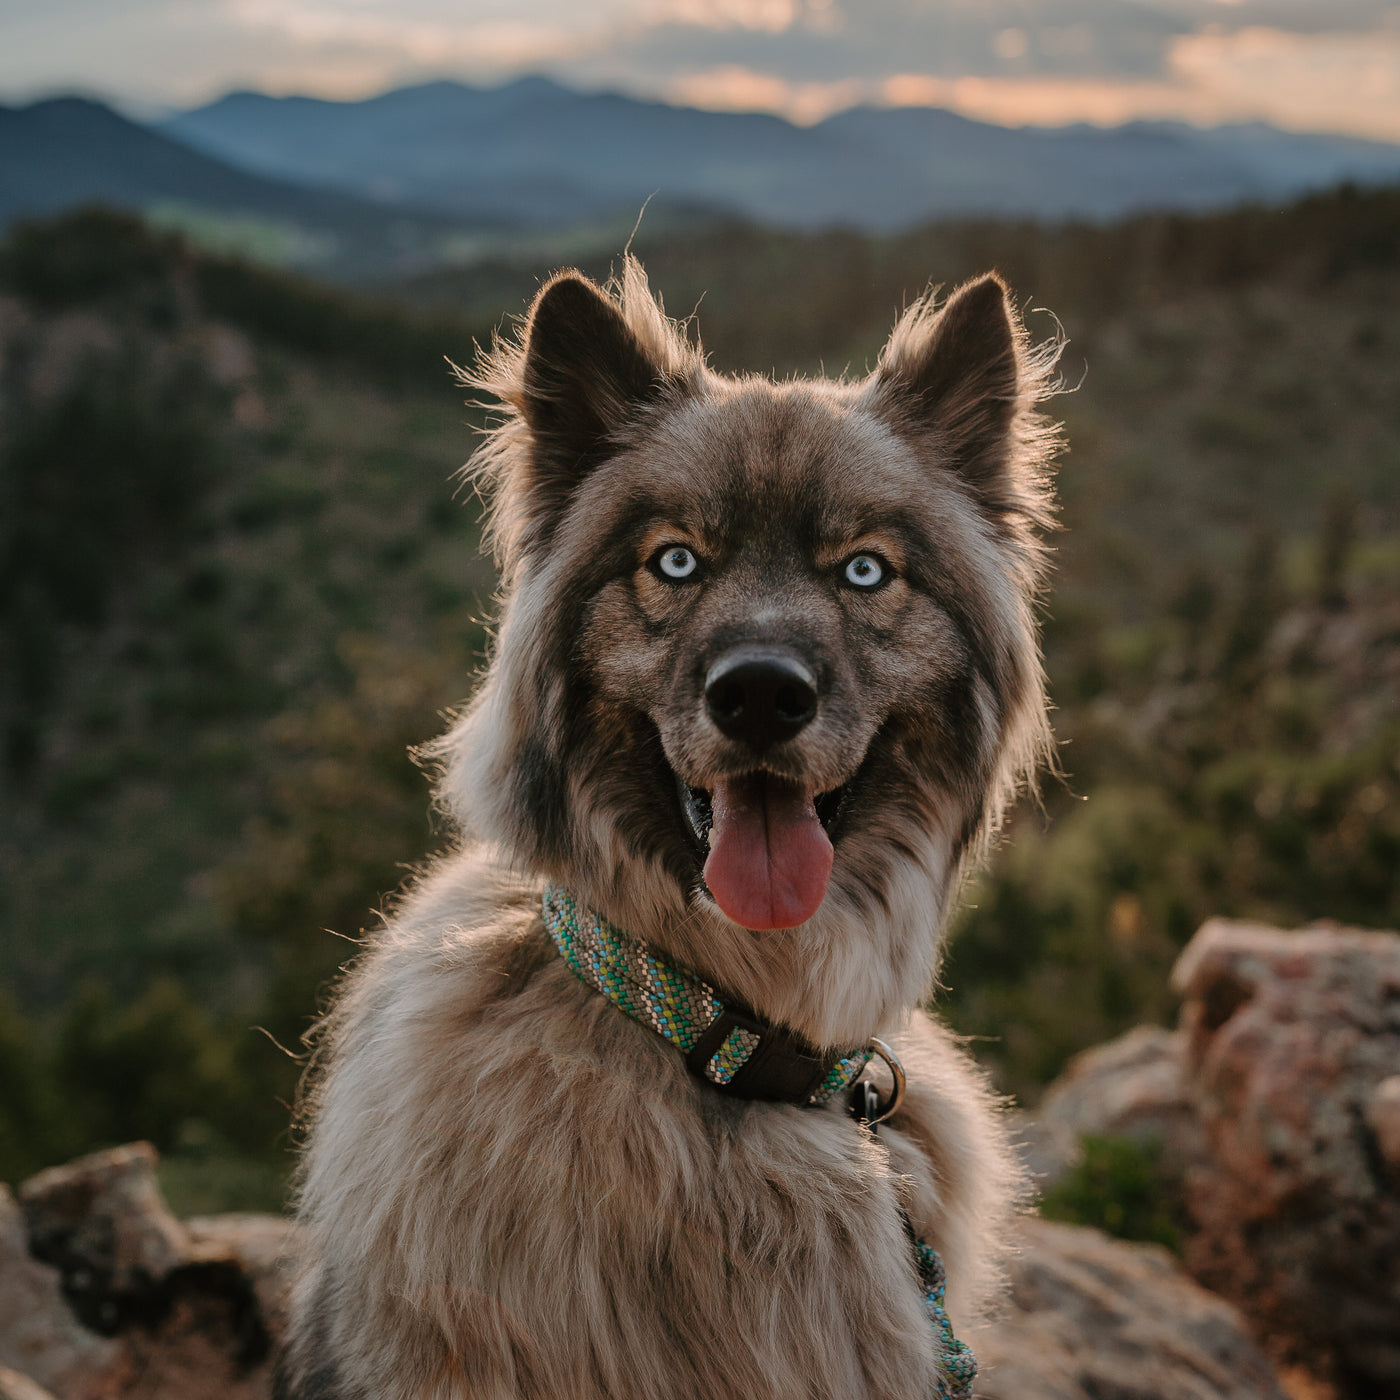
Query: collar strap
[724,1043]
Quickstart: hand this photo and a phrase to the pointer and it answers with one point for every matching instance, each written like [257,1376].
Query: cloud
[770,16]
[1324,81]
[736,89]
[486,46]
[1293,62]
[1344,82]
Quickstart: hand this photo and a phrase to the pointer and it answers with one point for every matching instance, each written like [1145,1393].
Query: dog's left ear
[951,377]
[585,377]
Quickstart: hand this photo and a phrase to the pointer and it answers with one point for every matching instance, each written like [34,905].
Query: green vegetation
[235,588]
[1119,1186]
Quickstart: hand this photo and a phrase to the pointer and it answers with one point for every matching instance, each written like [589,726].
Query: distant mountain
[69,151]
[536,152]
[442,173]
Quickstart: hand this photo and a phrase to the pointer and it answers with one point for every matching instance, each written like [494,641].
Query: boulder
[1129,1087]
[105,1295]
[39,1335]
[1290,1057]
[1093,1318]
[102,1222]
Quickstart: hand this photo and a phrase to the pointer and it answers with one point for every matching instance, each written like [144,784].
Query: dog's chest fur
[535,1179]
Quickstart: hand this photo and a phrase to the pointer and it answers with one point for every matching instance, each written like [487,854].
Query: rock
[39,1336]
[262,1248]
[190,1308]
[14,1386]
[1092,1318]
[1292,1043]
[1129,1087]
[102,1221]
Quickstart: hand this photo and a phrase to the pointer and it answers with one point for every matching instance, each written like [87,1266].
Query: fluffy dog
[766,676]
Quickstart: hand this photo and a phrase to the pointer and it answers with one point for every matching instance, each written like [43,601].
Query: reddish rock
[39,1336]
[188,1310]
[1092,1318]
[1292,1041]
[1128,1087]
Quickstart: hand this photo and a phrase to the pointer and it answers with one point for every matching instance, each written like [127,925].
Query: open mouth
[700,813]
[767,846]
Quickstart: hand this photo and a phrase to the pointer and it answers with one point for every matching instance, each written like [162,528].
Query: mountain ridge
[446,174]
[63,152]
[540,152]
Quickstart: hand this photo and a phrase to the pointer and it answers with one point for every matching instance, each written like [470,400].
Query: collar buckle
[775,1065]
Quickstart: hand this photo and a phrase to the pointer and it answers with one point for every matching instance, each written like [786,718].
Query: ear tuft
[585,376]
[952,375]
[588,368]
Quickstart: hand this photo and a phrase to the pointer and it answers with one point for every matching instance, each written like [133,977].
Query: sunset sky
[1326,65]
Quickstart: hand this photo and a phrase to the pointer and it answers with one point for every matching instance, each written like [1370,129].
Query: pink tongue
[769,860]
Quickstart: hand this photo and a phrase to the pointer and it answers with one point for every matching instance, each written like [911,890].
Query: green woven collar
[726,1045]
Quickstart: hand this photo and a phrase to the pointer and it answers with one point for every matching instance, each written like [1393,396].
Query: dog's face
[766,646]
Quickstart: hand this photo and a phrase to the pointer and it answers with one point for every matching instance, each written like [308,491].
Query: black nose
[760,695]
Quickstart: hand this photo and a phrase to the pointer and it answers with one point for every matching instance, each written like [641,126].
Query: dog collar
[739,1053]
[724,1044]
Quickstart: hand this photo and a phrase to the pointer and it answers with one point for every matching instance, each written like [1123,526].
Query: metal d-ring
[896,1073]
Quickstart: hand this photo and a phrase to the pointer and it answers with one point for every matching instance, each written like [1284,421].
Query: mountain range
[534,151]
[444,171]
[70,151]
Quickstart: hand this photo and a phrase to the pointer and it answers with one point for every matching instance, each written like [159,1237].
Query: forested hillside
[236,585]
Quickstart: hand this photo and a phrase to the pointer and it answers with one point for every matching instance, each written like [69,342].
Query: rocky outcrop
[1291,1046]
[102,1222]
[1131,1087]
[1092,1318]
[105,1295]
[39,1336]
[1277,1105]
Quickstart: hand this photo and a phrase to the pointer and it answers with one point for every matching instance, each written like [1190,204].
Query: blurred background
[237,583]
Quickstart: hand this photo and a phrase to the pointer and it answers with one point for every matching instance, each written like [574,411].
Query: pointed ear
[585,376]
[952,377]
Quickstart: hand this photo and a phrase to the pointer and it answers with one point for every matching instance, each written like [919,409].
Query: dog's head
[767,659]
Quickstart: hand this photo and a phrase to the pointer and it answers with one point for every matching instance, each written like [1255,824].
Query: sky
[1312,65]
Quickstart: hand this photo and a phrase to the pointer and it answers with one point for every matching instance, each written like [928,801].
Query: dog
[766,676]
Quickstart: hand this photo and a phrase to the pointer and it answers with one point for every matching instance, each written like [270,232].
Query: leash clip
[866,1107]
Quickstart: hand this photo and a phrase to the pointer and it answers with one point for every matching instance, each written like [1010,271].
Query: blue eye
[865,571]
[675,561]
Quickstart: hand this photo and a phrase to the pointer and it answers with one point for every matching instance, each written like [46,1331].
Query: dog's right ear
[586,376]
